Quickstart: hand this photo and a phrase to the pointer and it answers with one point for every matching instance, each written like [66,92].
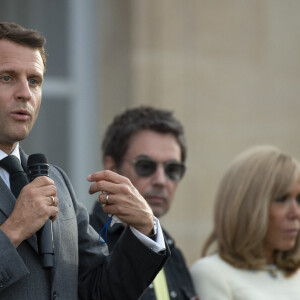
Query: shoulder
[53,169]
[209,263]
[176,252]
[205,266]
[209,275]
[60,178]
[212,267]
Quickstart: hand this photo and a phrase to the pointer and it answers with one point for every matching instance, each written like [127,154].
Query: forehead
[159,146]
[19,58]
[294,186]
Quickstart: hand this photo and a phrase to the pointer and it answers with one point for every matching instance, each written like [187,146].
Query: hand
[124,200]
[33,208]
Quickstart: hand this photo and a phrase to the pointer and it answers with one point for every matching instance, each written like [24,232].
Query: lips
[21,114]
[155,199]
[292,232]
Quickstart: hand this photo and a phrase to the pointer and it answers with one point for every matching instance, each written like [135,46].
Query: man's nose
[23,91]
[159,176]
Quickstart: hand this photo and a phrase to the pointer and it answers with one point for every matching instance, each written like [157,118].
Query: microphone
[37,165]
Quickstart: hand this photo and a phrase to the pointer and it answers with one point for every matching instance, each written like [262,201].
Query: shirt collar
[16,153]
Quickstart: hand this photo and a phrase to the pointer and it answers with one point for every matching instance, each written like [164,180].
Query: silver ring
[106,198]
[53,200]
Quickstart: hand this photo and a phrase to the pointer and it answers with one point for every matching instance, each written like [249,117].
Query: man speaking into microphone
[82,267]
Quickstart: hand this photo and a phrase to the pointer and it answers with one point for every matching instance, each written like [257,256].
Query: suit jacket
[82,267]
[178,278]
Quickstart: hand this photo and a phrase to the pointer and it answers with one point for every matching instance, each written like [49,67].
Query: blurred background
[229,70]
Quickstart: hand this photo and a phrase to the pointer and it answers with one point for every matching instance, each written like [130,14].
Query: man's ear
[109,163]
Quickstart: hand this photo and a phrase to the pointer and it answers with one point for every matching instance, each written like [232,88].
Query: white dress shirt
[3,173]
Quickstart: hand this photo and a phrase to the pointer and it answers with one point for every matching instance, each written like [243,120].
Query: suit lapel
[8,200]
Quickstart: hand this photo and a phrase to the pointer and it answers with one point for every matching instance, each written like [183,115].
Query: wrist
[154,229]
[153,233]
[12,234]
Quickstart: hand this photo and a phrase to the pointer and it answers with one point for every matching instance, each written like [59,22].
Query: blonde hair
[254,179]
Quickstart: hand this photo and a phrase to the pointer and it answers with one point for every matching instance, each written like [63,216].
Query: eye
[33,81]
[282,199]
[174,171]
[145,167]
[6,78]
[298,199]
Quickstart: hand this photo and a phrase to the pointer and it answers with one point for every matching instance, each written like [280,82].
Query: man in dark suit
[147,145]
[82,268]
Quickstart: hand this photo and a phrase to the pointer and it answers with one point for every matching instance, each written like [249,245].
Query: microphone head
[37,165]
[37,158]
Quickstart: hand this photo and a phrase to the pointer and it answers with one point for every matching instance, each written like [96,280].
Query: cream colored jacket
[215,279]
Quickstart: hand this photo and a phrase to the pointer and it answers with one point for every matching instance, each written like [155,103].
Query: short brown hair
[117,136]
[27,37]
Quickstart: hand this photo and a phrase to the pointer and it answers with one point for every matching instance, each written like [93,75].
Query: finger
[31,194]
[42,181]
[106,175]
[131,215]
[54,213]
[52,201]
[104,186]
[48,191]
[106,198]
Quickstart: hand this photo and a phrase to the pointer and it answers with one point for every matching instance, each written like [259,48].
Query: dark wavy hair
[124,125]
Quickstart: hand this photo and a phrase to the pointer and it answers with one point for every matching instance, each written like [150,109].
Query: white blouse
[215,279]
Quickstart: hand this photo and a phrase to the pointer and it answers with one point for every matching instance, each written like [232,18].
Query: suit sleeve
[12,267]
[123,274]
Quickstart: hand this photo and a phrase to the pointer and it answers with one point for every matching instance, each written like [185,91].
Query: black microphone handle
[37,165]
[46,245]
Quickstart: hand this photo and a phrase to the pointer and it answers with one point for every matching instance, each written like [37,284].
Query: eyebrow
[13,72]
[144,156]
[8,71]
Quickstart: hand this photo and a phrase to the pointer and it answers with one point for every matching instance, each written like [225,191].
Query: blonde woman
[256,231]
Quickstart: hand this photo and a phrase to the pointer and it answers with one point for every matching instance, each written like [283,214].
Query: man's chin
[158,211]
[20,134]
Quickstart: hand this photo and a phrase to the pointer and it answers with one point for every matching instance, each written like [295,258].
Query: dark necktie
[17,176]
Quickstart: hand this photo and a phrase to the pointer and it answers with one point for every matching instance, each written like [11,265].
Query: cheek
[172,186]
[272,229]
[277,215]
[141,184]
[275,224]
[36,104]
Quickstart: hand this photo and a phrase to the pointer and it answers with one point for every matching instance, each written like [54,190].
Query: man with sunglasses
[147,145]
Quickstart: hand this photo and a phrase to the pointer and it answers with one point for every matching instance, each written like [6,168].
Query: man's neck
[8,148]
[15,151]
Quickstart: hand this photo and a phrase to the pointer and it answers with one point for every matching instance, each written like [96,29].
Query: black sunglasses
[146,166]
